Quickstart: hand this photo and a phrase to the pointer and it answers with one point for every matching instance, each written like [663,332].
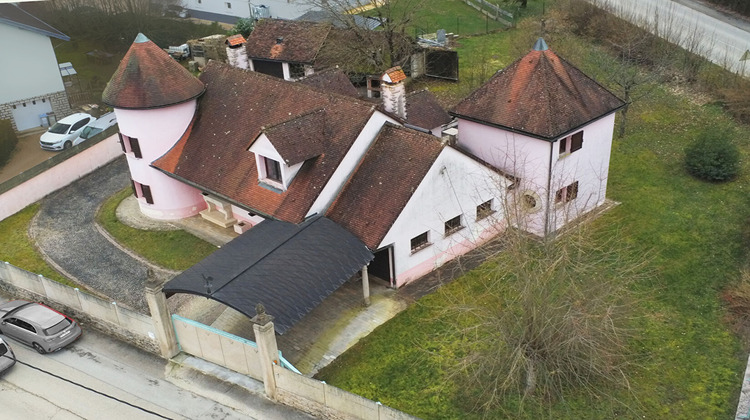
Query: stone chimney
[393,91]
[236,52]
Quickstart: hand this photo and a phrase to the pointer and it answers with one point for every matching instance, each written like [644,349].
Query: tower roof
[148,77]
[540,95]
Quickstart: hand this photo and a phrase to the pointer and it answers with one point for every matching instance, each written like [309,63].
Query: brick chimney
[393,91]
[236,52]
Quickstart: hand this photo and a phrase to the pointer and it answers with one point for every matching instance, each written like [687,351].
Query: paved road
[717,36]
[64,230]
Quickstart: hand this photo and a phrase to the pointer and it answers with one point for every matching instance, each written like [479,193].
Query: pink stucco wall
[157,130]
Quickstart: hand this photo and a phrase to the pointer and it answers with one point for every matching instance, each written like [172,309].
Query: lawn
[690,364]
[17,249]
[172,249]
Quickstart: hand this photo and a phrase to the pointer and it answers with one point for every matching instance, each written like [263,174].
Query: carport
[288,268]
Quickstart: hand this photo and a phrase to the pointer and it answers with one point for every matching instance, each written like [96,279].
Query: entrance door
[381,266]
[26,114]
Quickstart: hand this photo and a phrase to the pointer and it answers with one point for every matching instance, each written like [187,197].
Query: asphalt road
[720,37]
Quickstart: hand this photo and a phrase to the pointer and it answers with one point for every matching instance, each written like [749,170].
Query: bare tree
[553,315]
[388,44]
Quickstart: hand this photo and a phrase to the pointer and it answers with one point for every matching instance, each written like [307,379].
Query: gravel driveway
[65,231]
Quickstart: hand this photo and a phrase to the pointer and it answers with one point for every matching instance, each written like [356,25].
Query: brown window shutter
[147,194]
[577,143]
[563,144]
[135,147]
[122,142]
[135,192]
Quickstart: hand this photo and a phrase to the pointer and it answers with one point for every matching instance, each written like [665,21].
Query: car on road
[62,134]
[102,123]
[38,326]
[7,357]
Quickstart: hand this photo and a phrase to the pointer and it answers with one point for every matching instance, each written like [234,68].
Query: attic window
[272,169]
[279,40]
[570,144]
[419,242]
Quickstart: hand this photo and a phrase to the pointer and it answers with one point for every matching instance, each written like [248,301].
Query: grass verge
[173,249]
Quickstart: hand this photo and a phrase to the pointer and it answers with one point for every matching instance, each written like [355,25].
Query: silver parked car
[37,325]
[7,357]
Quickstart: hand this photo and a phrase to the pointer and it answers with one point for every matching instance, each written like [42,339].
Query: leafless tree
[387,45]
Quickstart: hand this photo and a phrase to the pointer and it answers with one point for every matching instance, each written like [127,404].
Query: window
[229,5]
[80,124]
[146,190]
[453,225]
[566,194]
[571,144]
[135,147]
[484,209]
[418,242]
[122,146]
[273,169]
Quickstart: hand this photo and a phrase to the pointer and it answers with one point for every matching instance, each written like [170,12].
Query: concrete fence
[326,401]
[87,309]
[62,169]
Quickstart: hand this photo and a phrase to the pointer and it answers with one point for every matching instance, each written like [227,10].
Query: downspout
[549,186]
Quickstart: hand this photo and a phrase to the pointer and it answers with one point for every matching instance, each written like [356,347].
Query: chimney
[236,52]
[393,91]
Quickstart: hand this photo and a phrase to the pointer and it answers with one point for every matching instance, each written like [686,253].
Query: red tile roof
[148,77]
[394,75]
[287,40]
[424,111]
[540,95]
[384,182]
[331,80]
[236,106]
[300,138]
[235,40]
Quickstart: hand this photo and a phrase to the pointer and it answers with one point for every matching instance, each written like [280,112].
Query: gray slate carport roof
[288,268]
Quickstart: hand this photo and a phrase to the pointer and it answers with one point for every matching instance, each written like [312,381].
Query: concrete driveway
[26,155]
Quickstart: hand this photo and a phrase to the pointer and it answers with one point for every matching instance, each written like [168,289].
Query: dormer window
[272,168]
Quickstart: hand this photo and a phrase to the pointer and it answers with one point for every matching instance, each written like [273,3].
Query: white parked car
[104,122]
[61,135]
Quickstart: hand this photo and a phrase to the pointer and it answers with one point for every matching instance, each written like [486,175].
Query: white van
[104,122]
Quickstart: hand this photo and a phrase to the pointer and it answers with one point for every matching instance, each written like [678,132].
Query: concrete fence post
[366,285]
[268,350]
[157,305]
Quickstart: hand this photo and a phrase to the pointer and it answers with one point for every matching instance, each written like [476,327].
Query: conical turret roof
[148,77]
[540,95]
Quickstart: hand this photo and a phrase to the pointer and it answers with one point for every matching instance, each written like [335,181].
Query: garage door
[26,114]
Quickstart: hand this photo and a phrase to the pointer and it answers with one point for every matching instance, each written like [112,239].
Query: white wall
[157,130]
[29,65]
[284,9]
[350,161]
[454,185]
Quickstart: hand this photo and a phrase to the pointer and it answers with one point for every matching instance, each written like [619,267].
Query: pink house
[240,148]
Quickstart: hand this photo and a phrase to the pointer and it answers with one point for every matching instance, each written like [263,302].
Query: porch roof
[288,268]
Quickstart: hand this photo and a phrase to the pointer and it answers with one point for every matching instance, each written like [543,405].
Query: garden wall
[88,310]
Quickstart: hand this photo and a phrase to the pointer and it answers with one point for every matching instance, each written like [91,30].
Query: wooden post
[366,285]
[268,349]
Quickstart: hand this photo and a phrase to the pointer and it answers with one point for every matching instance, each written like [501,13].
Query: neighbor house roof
[287,40]
[331,80]
[540,95]
[288,268]
[148,77]
[13,15]
[213,154]
[385,180]
[424,111]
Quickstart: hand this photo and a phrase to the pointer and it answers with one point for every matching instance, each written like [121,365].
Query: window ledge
[486,215]
[452,231]
[421,247]
[275,186]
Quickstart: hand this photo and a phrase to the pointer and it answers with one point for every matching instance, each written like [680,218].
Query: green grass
[690,365]
[17,248]
[173,249]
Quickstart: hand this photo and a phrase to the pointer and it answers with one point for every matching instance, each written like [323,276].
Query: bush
[8,141]
[713,156]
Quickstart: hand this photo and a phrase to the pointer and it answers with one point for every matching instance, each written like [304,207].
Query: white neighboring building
[30,80]
[229,11]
